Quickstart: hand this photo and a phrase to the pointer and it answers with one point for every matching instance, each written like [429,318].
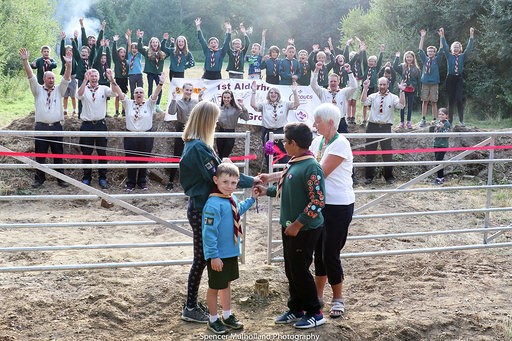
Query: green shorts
[220,279]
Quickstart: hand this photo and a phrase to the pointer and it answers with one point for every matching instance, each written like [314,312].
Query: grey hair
[328,111]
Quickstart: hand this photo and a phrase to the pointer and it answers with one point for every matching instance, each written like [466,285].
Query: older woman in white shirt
[334,154]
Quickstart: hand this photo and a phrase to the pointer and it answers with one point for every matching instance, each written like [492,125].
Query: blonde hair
[201,123]
[185,46]
[414,61]
[278,94]
[154,54]
[227,168]
[321,53]
[452,46]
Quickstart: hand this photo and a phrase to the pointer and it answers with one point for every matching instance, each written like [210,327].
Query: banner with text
[241,89]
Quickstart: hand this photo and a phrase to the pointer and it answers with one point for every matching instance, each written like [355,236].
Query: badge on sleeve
[208,221]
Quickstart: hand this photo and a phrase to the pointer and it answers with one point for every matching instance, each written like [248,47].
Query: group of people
[315,187]
[317,203]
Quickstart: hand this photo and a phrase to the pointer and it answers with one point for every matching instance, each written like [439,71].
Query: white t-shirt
[138,118]
[95,106]
[271,120]
[48,110]
[338,185]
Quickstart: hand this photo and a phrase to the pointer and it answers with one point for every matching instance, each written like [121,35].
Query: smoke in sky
[68,13]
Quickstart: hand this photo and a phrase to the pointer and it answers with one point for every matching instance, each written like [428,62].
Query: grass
[23,104]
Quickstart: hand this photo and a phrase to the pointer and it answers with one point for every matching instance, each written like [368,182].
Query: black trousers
[179,145]
[54,144]
[298,256]
[455,88]
[440,157]
[225,145]
[88,145]
[137,146]
[372,144]
[337,219]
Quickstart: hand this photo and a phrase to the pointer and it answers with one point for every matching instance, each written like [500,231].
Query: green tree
[23,26]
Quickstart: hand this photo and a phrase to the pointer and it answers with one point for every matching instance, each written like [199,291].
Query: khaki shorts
[429,92]
[357,94]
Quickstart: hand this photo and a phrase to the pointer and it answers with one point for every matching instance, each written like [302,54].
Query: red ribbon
[115,158]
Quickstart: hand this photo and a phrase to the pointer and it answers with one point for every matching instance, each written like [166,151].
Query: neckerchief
[294,159]
[322,147]
[237,229]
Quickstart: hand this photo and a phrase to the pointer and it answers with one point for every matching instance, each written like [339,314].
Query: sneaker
[289,317]
[86,182]
[401,126]
[170,186]
[37,184]
[423,123]
[74,113]
[65,112]
[203,307]
[217,327]
[129,188]
[390,181]
[143,187]
[123,113]
[63,184]
[337,309]
[363,124]
[409,125]
[117,114]
[195,315]
[232,322]
[461,123]
[158,110]
[310,321]
[368,181]
[439,181]
[103,183]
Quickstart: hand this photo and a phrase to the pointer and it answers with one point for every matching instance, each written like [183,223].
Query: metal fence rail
[94,194]
[489,139]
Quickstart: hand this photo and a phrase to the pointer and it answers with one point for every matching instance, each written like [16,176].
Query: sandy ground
[462,295]
[442,296]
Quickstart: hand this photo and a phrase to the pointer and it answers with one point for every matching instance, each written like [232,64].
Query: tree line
[395,23]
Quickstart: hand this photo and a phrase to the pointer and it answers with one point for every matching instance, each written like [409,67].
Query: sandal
[337,309]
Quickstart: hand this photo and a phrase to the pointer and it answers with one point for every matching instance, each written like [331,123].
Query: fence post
[247,149]
[269,203]
[490,169]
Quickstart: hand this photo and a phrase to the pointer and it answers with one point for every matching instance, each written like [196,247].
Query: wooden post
[261,288]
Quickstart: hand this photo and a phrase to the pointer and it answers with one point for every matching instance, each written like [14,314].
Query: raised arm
[422,38]
[296,101]
[68,67]
[114,85]
[161,81]
[253,96]
[263,42]
[24,55]
[247,41]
